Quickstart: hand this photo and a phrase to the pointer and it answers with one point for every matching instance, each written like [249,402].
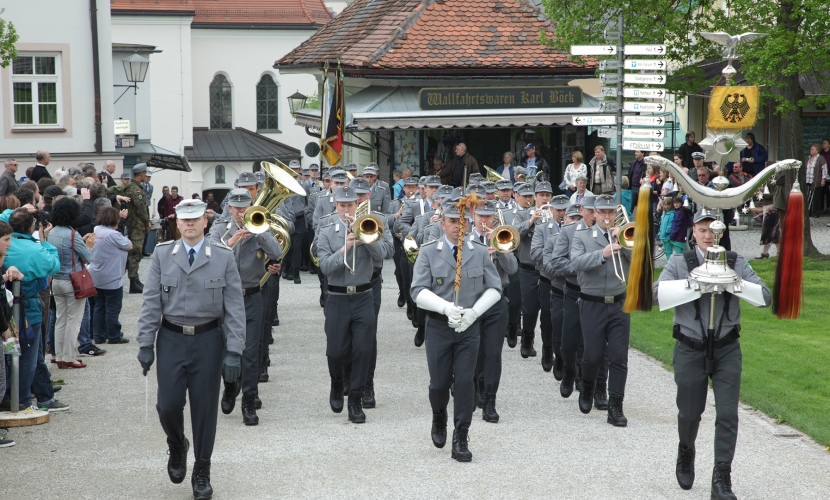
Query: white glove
[468,317]
[453,314]
[429,301]
[486,301]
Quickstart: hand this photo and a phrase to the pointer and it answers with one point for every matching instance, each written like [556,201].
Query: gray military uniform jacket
[685,314]
[435,270]
[560,260]
[379,198]
[193,295]
[325,206]
[595,274]
[387,246]
[505,262]
[250,254]
[312,202]
[521,221]
[413,208]
[332,262]
[545,232]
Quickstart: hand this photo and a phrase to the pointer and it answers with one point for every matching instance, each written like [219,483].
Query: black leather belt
[190,330]
[573,287]
[529,267]
[350,289]
[438,316]
[545,280]
[607,299]
[376,274]
[700,345]
[250,291]
[557,291]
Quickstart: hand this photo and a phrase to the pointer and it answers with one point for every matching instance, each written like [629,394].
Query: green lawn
[786,363]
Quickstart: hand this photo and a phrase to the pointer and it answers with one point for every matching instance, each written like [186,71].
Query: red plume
[788,292]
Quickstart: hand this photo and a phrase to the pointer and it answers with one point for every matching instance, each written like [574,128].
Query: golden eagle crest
[734,107]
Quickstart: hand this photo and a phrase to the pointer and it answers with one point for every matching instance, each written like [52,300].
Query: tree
[8,37]
[796,45]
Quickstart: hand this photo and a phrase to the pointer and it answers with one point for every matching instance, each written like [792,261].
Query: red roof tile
[429,35]
[233,12]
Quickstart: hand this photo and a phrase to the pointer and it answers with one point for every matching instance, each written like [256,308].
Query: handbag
[81,280]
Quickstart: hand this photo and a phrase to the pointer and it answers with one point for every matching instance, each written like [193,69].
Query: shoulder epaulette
[168,242]
[429,243]
[219,244]
[581,227]
[475,240]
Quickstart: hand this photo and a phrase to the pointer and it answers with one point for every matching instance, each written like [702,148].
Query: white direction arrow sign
[609,78]
[608,106]
[593,50]
[644,107]
[643,133]
[594,119]
[658,64]
[655,79]
[608,91]
[611,34]
[609,65]
[606,133]
[644,93]
[643,146]
[645,50]
[657,121]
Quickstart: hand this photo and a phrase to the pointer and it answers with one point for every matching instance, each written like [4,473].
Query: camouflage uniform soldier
[138,223]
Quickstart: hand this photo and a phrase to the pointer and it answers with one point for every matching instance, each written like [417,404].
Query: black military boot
[369,394]
[547,358]
[263,373]
[527,344]
[578,383]
[460,451]
[512,333]
[615,412]
[177,463]
[722,482]
[136,286]
[257,403]
[249,416]
[401,299]
[419,337]
[685,470]
[410,313]
[200,480]
[489,414]
[558,368]
[586,397]
[336,395]
[566,388]
[601,396]
[479,388]
[275,322]
[347,379]
[229,397]
[356,414]
[439,428]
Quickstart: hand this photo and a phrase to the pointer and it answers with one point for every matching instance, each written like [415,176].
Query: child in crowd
[665,225]
[681,222]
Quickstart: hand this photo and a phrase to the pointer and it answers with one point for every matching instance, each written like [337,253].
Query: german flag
[331,142]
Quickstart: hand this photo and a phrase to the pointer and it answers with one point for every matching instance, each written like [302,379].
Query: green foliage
[313,101]
[8,37]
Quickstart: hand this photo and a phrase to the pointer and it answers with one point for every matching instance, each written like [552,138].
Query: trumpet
[547,213]
[624,239]
[366,226]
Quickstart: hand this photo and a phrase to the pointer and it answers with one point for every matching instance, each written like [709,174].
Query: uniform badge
[440,281]
[595,234]
[259,254]
[141,197]
[166,289]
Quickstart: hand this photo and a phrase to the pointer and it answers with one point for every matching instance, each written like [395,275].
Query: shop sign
[462,98]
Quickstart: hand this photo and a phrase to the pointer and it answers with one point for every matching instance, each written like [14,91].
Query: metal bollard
[14,376]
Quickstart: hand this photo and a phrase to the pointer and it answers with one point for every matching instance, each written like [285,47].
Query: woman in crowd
[507,168]
[7,326]
[581,189]
[109,260]
[72,250]
[573,171]
[680,162]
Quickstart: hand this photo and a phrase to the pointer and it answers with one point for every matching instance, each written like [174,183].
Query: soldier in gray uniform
[417,231]
[494,321]
[557,290]
[508,212]
[601,308]
[350,308]
[191,278]
[526,222]
[690,363]
[541,234]
[250,252]
[296,204]
[379,190]
[490,189]
[324,208]
[453,331]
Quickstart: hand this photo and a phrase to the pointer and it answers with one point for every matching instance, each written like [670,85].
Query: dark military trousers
[451,359]
[605,326]
[529,280]
[544,318]
[557,298]
[488,367]
[296,250]
[253,335]
[349,335]
[406,276]
[306,247]
[189,365]
[571,347]
[692,386]
[270,295]
[514,299]
[377,290]
[396,243]
[136,236]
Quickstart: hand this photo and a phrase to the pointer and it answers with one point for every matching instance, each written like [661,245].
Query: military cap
[604,202]
[525,190]
[191,209]
[314,166]
[488,208]
[697,155]
[149,173]
[139,167]
[239,197]
[530,145]
[370,169]
[344,194]
[560,202]
[305,171]
[519,171]
[360,185]
[246,179]
[410,181]
[478,189]
[588,201]
[489,186]
[518,186]
[294,164]
[543,187]
[422,181]
[476,176]
[326,175]
[432,180]
[573,210]
[450,209]
[125,175]
[504,184]
[339,176]
[351,166]
[438,196]
[260,177]
[705,213]
[456,194]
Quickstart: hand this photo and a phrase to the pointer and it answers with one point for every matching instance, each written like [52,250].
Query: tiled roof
[425,35]
[233,12]
[237,144]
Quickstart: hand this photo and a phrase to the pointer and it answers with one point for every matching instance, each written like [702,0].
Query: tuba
[492,175]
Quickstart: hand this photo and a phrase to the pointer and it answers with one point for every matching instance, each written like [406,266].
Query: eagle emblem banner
[733,108]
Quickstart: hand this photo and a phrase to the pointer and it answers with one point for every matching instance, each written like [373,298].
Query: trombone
[366,226]
[504,238]
[624,239]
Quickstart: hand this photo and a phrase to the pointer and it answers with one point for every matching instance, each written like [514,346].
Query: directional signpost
[594,50]
[606,133]
[643,133]
[609,78]
[653,121]
[643,93]
[643,146]
[609,65]
[655,64]
[645,50]
[608,91]
[594,120]
[652,79]
[608,106]
[644,107]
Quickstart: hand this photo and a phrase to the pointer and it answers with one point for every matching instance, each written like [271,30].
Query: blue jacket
[666,225]
[682,221]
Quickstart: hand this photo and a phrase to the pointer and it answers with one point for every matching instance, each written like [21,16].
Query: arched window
[221,115]
[219,174]
[267,94]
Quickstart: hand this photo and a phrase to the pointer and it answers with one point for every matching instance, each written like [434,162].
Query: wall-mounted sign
[122,126]
[434,99]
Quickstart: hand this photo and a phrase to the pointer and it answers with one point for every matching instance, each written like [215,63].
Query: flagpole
[323,113]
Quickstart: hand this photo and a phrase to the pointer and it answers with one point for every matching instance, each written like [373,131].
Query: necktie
[606,237]
[191,256]
[481,238]
[455,253]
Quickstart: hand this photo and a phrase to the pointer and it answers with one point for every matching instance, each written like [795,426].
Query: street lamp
[135,67]
[296,102]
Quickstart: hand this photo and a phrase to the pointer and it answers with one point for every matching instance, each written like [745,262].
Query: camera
[43,217]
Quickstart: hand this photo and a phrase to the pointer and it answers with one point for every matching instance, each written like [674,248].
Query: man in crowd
[738,177]
[138,224]
[105,176]
[754,156]
[170,210]
[453,172]
[42,158]
[685,151]
[533,161]
[636,173]
[8,182]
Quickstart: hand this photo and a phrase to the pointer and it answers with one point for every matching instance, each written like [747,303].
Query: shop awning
[388,108]
[155,156]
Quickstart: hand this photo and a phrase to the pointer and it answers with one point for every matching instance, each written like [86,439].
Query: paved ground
[543,446]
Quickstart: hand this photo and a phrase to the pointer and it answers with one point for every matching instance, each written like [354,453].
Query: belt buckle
[609,299]
[351,289]
[189,330]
